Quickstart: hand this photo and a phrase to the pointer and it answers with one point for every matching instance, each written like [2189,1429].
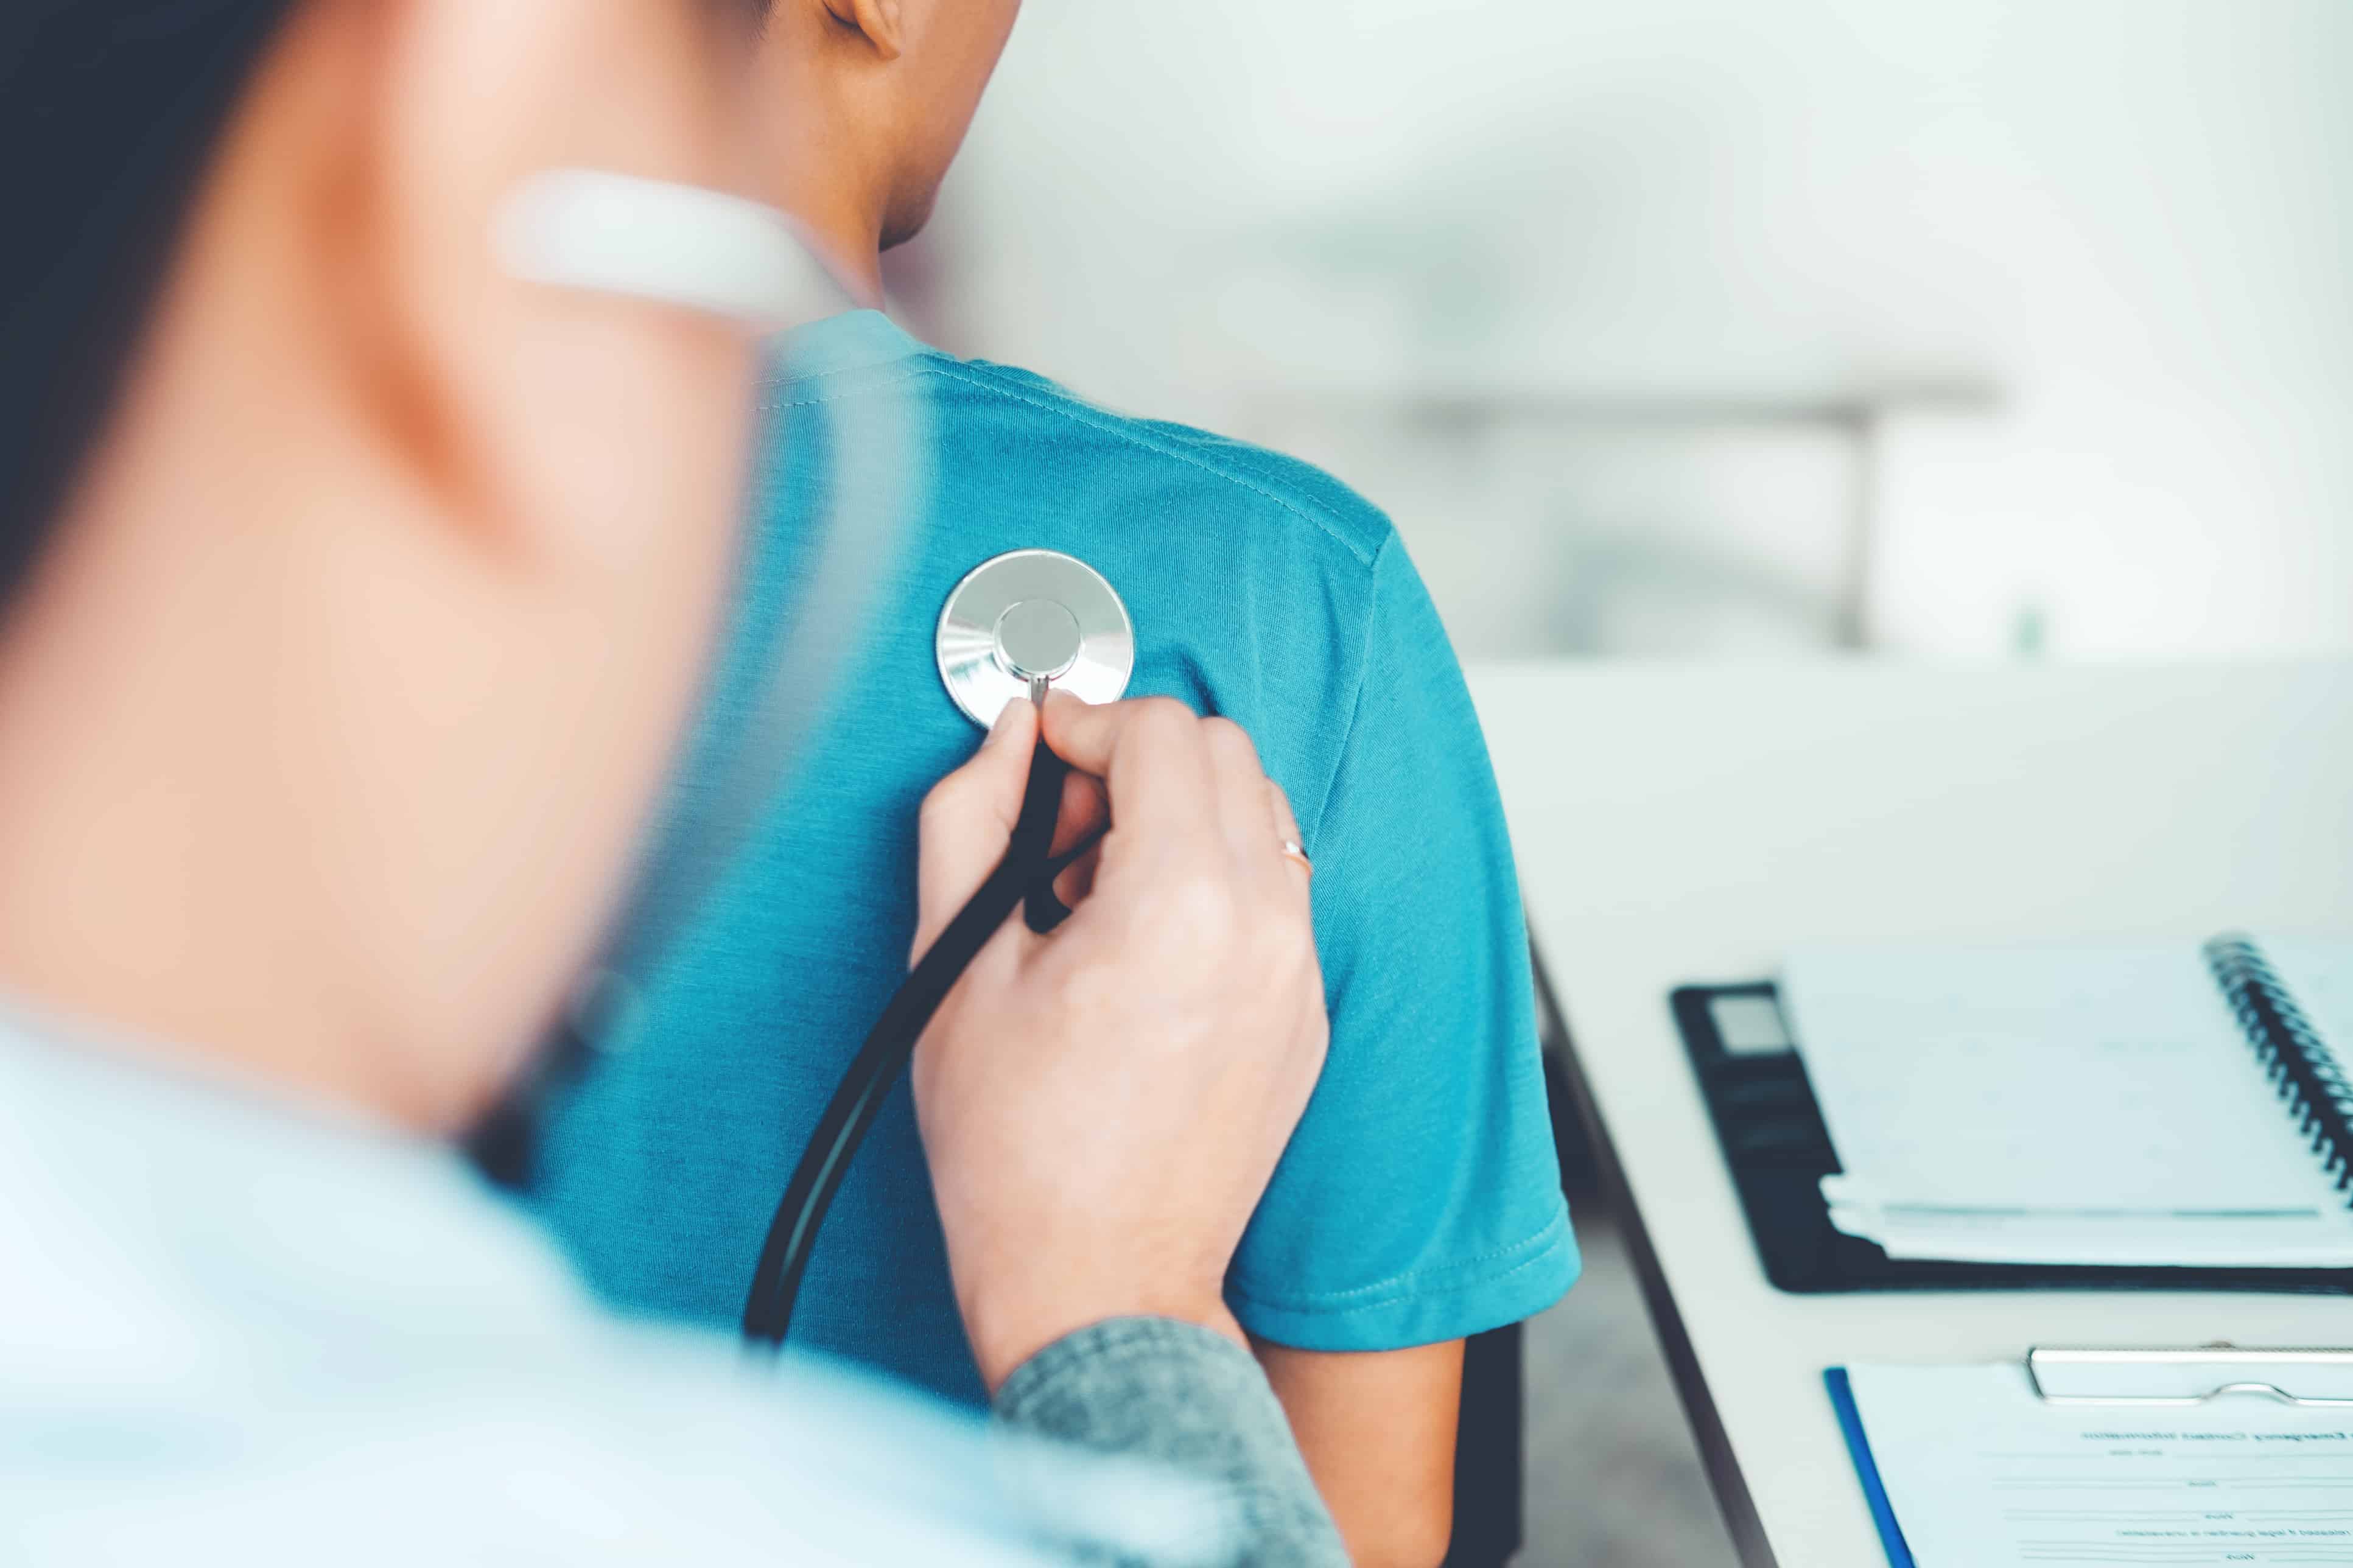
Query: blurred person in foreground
[355,591]
[1421,1200]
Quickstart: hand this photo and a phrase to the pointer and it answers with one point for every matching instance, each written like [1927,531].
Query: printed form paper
[1982,1474]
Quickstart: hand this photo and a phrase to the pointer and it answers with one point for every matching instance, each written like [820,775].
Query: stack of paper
[2054,1105]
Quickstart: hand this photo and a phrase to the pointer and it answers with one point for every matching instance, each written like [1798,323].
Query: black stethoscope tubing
[1026,872]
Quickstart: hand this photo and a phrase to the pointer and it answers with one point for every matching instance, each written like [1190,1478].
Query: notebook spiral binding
[2306,1074]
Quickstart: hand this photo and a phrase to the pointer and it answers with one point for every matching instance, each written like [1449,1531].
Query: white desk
[1681,825]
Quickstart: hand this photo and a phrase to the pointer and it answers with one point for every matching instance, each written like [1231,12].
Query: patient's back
[1419,1199]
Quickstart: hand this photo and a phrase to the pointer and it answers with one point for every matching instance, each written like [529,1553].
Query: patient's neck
[846,224]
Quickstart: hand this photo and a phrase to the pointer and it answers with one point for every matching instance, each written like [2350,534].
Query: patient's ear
[879,20]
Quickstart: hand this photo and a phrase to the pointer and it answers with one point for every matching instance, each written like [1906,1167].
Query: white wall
[2135,217]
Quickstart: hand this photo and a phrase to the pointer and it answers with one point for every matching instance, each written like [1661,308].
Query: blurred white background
[1972,328]
[1968,328]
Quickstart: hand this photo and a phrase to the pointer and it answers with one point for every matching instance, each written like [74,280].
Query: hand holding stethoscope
[1115,1095]
[1102,1106]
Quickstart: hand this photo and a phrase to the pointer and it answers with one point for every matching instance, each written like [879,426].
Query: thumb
[967,821]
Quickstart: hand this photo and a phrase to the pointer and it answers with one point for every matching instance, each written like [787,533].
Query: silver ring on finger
[1296,852]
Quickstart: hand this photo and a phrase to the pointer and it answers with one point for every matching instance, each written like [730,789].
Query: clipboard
[1778,1149]
[2122,1379]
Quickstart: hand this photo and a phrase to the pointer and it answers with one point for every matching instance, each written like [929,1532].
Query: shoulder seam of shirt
[1364,679]
[1078,413]
[899,369]
[1525,1253]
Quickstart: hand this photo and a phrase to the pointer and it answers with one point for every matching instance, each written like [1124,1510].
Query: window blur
[1965,327]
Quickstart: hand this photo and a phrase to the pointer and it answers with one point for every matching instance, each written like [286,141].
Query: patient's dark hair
[110,112]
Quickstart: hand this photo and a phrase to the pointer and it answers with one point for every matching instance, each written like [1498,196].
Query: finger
[1078,877]
[1278,811]
[967,821]
[1241,785]
[1153,762]
[1086,810]
[1286,831]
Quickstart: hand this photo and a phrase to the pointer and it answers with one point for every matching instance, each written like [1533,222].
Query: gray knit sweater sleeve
[1177,1395]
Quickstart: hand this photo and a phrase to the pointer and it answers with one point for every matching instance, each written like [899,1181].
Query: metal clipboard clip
[2311,1379]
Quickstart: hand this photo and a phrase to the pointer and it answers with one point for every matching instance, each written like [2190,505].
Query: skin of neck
[841,216]
[837,183]
[861,129]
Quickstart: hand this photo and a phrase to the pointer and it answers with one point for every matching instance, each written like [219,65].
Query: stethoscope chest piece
[1032,614]
[1026,618]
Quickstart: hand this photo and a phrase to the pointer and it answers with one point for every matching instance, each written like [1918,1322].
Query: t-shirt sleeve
[1419,1199]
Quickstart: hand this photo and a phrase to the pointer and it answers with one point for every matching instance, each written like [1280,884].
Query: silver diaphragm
[1033,613]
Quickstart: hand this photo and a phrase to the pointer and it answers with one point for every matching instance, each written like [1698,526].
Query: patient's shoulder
[1214,480]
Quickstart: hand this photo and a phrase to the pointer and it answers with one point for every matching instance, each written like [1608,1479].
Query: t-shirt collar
[854,339]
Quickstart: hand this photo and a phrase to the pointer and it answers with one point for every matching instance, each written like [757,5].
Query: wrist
[1006,1332]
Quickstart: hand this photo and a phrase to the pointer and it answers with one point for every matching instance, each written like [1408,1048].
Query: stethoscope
[1018,624]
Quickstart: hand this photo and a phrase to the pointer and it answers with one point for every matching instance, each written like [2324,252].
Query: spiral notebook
[2186,1107]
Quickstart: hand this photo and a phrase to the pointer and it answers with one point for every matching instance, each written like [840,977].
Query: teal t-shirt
[1420,1200]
